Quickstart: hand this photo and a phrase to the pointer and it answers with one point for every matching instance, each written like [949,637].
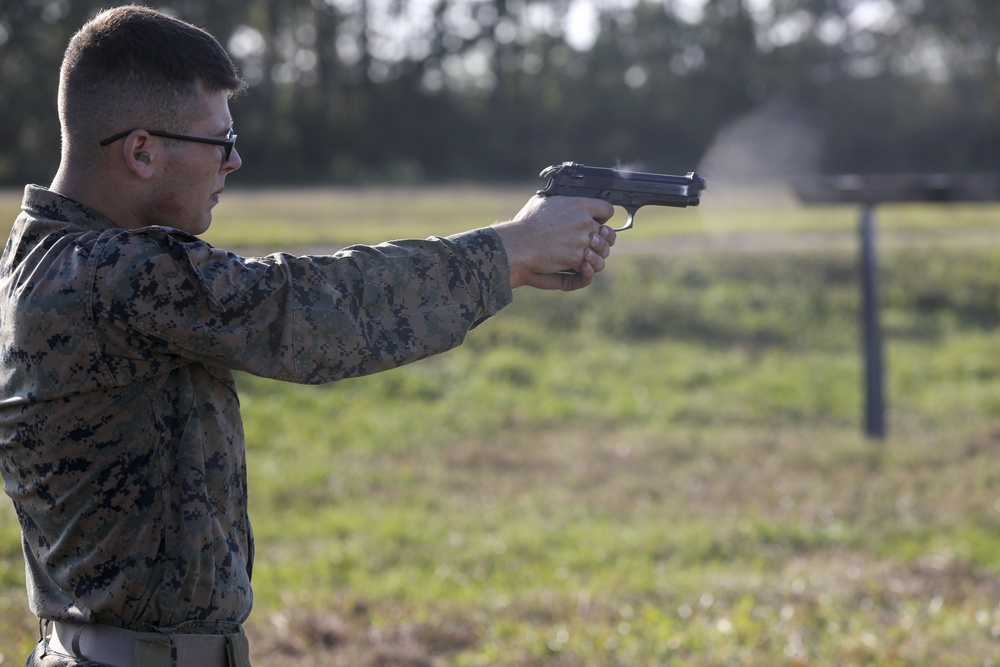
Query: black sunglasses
[227,143]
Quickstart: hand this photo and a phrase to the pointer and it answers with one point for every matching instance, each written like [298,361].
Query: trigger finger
[602,211]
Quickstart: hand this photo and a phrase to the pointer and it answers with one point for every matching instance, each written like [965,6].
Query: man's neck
[95,194]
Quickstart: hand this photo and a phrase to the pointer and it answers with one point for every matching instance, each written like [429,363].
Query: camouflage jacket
[121,442]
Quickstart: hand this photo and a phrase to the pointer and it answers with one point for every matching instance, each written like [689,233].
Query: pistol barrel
[630,189]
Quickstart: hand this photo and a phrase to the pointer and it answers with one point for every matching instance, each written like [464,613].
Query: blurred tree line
[410,90]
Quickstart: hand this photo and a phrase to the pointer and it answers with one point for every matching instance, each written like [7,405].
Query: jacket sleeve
[163,298]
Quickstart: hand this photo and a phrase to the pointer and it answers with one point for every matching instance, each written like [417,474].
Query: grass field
[664,469]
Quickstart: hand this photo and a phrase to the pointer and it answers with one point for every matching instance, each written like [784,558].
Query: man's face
[192,176]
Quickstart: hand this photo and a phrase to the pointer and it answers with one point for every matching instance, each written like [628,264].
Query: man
[121,443]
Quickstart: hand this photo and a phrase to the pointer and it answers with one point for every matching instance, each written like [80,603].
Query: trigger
[631,216]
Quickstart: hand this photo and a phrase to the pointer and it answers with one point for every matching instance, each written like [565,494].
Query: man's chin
[198,227]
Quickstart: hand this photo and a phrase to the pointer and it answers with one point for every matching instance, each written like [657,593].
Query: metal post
[871,329]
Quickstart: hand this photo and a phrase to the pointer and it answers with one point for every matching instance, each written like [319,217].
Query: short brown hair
[134,67]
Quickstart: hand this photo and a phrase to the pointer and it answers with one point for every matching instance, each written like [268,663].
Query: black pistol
[628,189]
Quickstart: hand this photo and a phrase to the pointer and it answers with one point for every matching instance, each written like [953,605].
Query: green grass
[666,468]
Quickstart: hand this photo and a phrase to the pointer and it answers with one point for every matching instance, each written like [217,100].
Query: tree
[351,90]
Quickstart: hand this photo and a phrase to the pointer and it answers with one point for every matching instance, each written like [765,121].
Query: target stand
[869,191]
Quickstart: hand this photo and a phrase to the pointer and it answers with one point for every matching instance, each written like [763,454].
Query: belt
[117,647]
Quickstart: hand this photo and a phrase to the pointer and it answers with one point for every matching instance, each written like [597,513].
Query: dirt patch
[301,637]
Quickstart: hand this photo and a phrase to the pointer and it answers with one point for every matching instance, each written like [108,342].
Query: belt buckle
[238,650]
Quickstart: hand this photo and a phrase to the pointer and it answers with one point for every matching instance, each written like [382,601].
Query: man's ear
[139,154]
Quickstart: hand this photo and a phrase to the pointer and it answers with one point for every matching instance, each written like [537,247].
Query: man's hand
[553,234]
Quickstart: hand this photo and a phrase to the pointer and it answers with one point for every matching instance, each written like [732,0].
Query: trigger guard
[631,218]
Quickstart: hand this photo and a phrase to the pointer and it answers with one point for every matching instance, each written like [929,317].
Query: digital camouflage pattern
[121,442]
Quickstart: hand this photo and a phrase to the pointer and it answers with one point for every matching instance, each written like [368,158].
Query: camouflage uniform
[121,442]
